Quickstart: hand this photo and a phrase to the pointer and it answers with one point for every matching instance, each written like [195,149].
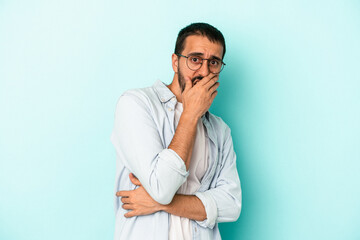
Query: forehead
[202,45]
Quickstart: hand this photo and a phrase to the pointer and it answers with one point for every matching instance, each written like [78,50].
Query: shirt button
[170,109]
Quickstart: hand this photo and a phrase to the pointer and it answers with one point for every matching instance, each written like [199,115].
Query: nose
[204,69]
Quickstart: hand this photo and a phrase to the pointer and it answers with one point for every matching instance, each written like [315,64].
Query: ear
[175,62]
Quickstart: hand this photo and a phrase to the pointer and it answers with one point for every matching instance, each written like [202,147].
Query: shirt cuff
[210,209]
[174,161]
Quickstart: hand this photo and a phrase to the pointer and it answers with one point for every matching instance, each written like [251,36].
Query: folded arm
[137,141]
[221,203]
[139,202]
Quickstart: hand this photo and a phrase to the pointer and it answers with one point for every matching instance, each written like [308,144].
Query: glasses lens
[215,65]
[194,62]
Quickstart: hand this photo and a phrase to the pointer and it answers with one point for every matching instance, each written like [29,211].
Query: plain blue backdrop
[289,92]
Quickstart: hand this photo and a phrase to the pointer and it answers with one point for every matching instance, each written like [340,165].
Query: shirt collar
[163,91]
[165,94]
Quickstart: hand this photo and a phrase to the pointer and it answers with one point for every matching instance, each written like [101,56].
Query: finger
[213,95]
[214,87]
[130,214]
[212,82]
[125,200]
[128,206]
[206,79]
[123,193]
[134,179]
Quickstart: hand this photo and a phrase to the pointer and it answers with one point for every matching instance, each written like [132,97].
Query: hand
[197,99]
[138,201]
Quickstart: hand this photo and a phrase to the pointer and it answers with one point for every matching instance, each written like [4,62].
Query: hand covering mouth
[196,80]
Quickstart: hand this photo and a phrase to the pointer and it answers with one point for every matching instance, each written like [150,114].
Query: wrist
[164,208]
[190,117]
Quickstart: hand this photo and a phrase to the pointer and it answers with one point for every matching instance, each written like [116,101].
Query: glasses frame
[187,58]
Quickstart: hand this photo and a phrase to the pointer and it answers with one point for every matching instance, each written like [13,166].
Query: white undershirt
[180,227]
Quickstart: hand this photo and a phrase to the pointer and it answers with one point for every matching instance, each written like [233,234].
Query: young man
[176,174]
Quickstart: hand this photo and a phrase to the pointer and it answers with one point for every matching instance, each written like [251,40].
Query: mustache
[196,79]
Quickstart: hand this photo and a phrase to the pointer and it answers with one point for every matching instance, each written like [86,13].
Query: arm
[188,206]
[136,139]
[139,202]
[196,101]
[184,137]
[222,203]
[138,143]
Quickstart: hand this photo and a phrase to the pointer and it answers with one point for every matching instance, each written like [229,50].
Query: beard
[181,79]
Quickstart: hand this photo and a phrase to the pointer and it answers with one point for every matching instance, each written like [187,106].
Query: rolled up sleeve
[138,144]
[223,202]
[210,208]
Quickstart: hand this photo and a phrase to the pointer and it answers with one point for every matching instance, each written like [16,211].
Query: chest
[167,122]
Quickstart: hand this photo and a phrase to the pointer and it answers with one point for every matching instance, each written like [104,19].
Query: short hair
[200,29]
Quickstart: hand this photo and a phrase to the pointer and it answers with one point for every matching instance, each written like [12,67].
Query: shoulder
[142,95]
[138,97]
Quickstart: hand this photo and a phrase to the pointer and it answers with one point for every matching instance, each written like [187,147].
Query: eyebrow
[201,54]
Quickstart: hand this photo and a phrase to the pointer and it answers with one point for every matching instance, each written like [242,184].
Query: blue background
[289,92]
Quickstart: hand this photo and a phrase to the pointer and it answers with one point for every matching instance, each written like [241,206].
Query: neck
[175,88]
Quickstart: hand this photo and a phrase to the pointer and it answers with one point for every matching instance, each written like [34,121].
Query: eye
[214,62]
[195,59]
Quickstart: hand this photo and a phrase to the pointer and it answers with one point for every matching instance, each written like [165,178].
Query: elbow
[164,198]
[163,183]
[162,193]
[237,206]
[237,210]
[234,214]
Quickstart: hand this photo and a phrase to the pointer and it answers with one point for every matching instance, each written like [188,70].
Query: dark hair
[202,29]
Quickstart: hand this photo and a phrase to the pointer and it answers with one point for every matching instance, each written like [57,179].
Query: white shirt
[180,227]
[143,129]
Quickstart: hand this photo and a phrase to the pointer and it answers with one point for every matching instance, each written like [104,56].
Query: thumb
[134,179]
[188,84]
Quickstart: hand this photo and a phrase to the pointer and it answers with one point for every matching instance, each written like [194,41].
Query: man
[176,174]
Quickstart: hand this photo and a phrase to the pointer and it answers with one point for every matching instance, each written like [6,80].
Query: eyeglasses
[195,62]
